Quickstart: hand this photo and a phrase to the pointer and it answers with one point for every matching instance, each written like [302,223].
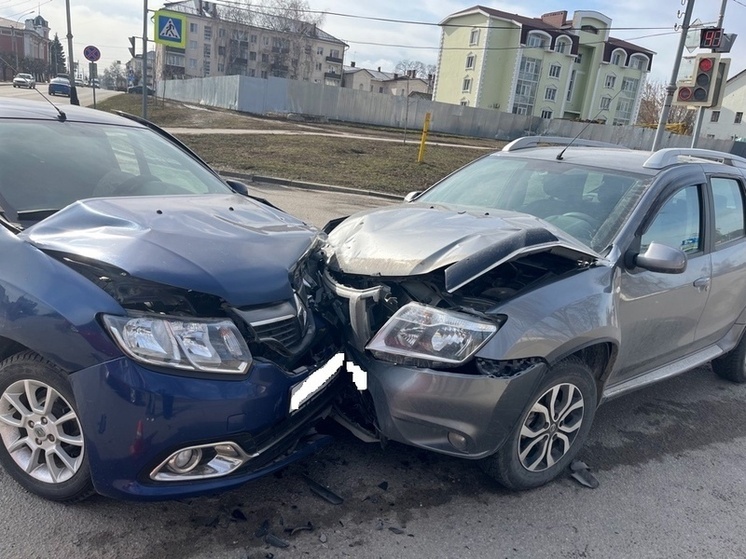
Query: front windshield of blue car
[47,165]
[589,203]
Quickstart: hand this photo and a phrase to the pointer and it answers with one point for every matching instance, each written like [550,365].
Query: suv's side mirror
[412,195]
[662,259]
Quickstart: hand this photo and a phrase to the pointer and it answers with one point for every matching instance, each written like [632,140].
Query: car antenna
[560,154]
[62,117]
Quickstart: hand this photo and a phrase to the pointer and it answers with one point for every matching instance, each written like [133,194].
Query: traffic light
[700,91]
[132,46]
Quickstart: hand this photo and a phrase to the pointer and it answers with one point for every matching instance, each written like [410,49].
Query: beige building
[551,66]
[726,122]
[222,41]
[376,81]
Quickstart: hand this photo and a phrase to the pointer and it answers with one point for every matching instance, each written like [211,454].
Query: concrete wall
[279,96]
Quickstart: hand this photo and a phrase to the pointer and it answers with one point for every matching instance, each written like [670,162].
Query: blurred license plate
[304,390]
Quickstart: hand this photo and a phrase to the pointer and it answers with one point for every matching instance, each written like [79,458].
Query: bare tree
[680,119]
[412,68]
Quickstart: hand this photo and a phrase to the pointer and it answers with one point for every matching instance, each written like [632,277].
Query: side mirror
[238,187]
[662,259]
[412,195]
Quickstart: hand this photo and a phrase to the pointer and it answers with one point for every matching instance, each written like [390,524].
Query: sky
[107,24]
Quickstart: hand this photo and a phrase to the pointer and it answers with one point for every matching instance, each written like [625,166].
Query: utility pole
[701,112]
[671,89]
[145,59]
[71,68]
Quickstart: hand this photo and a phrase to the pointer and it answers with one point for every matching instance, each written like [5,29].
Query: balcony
[334,60]
[332,76]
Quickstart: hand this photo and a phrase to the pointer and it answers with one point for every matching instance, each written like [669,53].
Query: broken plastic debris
[237,514]
[263,530]
[307,528]
[384,485]
[323,538]
[582,474]
[273,540]
[323,492]
[396,530]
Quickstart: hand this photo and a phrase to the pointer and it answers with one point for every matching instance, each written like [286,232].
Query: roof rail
[670,156]
[534,141]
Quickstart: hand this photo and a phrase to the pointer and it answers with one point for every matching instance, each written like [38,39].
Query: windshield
[591,204]
[47,165]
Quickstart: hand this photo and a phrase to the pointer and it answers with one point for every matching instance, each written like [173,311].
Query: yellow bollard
[425,129]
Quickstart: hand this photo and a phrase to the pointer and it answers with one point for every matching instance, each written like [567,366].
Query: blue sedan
[159,330]
[59,86]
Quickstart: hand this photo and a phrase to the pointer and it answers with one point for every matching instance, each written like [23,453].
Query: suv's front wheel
[551,430]
[42,439]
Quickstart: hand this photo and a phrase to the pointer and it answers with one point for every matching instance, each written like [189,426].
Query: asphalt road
[85,94]
[670,462]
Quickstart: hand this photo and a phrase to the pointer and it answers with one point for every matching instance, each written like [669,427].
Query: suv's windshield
[588,203]
[47,165]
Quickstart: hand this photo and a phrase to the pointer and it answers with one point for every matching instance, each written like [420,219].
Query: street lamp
[13,33]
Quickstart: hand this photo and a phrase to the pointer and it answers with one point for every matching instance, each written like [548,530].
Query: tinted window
[728,199]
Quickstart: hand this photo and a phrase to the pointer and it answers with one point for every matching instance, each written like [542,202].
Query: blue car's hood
[224,245]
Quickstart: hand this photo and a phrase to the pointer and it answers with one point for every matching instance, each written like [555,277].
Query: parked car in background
[159,334]
[138,90]
[490,315]
[79,82]
[24,80]
[59,86]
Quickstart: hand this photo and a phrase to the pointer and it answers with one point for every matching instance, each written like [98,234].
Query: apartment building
[24,46]
[224,41]
[550,66]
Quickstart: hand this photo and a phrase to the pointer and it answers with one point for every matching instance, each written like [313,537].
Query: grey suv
[489,316]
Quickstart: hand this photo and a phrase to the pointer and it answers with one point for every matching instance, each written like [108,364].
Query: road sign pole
[145,59]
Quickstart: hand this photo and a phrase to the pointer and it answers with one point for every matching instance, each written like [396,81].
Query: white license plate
[304,390]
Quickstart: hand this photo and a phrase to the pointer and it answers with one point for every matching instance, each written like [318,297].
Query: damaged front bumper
[465,415]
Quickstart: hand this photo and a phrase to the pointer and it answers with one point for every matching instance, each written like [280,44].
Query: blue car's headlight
[213,346]
[428,334]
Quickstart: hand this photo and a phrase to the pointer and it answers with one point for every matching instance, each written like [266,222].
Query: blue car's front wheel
[43,447]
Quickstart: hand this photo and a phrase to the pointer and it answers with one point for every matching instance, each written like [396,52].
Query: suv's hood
[225,245]
[415,239]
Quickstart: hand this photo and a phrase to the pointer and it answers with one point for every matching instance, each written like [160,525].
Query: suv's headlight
[419,332]
[214,346]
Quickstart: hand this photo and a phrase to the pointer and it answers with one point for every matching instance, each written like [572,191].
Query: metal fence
[276,96]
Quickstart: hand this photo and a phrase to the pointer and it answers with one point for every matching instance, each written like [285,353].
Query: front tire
[43,447]
[551,430]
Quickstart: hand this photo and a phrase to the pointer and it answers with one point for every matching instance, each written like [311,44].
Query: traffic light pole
[701,111]
[671,89]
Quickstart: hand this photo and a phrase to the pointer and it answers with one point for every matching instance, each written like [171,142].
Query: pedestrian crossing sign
[170,28]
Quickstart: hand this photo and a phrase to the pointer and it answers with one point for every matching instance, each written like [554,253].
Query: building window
[638,62]
[252,55]
[221,51]
[466,86]
[192,45]
[738,118]
[265,41]
[334,53]
[264,74]
[555,70]
[206,66]
[527,85]
[471,62]
[610,82]
[629,85]
[715,116]
[380,90]
[536,41]
[208,32]
[193,28]
[252,39]
[605,103]
[561,46]
[550,93]
[221,68]
[221,33]
[206,51]
[192,63]
[570,86]
[319,66]
[252,73]
[265,58]
[320,51]
[616,58]
[474,37]
[464,102]
[546,113]
[624,111]
[579,58]
[589,29]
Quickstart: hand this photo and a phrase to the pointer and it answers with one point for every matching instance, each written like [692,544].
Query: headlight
[214,346]
[419,332]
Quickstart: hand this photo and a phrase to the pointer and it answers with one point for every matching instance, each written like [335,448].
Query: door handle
[702,284]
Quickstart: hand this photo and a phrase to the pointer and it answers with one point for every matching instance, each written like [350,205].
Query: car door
[727,299]
[658,312]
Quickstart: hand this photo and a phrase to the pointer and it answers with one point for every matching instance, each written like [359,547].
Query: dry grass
[345,161]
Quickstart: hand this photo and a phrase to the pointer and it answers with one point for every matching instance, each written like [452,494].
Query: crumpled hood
[224,245]
[417,238]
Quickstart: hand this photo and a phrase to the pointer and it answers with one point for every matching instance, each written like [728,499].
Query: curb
[310,185]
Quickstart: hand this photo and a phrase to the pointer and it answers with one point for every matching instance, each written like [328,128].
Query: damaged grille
[284,330]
